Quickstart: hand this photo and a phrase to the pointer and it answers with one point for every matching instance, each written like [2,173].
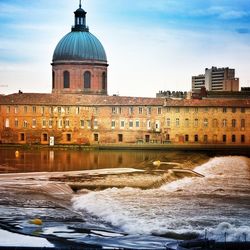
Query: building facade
[216,79]
[80,119]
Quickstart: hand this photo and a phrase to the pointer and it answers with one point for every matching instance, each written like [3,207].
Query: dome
[79,46]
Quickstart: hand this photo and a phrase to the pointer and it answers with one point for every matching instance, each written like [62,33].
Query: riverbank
[140,146]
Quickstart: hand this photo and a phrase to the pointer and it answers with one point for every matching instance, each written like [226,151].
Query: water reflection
[70,160]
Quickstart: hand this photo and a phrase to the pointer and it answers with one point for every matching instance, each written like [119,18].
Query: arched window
[53,79]
[104,80]
[66,79]
[87,80]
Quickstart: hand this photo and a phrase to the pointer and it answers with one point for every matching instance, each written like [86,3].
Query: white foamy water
[218,203]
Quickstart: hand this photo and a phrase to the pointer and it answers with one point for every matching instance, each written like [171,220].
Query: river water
[216,206]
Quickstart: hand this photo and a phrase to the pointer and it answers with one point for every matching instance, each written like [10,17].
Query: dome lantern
[80,19]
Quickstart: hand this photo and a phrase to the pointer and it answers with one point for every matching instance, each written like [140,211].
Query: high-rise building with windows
[216,79]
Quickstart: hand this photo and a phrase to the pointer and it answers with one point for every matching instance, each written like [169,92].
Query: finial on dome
[80,3]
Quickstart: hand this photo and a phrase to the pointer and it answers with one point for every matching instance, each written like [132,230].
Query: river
[215,206]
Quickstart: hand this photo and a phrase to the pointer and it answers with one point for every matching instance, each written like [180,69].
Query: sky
[151,45]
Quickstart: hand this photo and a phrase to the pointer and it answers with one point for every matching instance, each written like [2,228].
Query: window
[187,109]
[168,122]
[122,124]
[67,123]
[140,110]
[206,109]
[16,123]
[50,123]
[45,137]
[187,122]
[131,124]
[68,137]
[233,110]
[25,124]
[66,79]
[196,122]
[7,123]
[186,138]
[137,124]
[42,110]
[53,79]
[16,109]
[120,137]
[33,123]
[67,110]
[87,80]
[157,125]
[168,109]
[215,123]
[159,111]
[224,123]
[113,124]
[51,110]
[196,138]
[224,138]
[8,109]
[167,137]
[205,138]
[242,110]
[82,123]
[242,123]
[177,110]
[104,80]
[34,109]
[205,122]
[196,110]
[148,124]
[233,123]
[114,110]
[149,110]
[242,138]
[77,110]
[177,122]
[130,110]
[44,123]
[59,110]
[22,137]
[25,109]
[60,123]
[224,110]
[233,138]
[96,137]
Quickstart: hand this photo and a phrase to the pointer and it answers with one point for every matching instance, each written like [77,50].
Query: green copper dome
[79,46]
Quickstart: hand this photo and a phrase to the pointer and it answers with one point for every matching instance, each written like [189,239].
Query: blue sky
[151,45]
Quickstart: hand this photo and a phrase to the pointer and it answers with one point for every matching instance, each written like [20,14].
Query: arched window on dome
[87,80]
[104,80]
[66,79]
[53,79]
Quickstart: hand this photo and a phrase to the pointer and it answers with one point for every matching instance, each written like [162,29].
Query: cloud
[233,14]
[243,31]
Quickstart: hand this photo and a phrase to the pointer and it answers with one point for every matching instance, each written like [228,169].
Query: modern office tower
[216,79]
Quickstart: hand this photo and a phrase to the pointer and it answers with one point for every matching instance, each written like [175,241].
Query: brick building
[88,119]
[79,111]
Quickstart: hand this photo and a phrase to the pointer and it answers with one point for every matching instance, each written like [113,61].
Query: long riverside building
[90,119]
[79,110]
